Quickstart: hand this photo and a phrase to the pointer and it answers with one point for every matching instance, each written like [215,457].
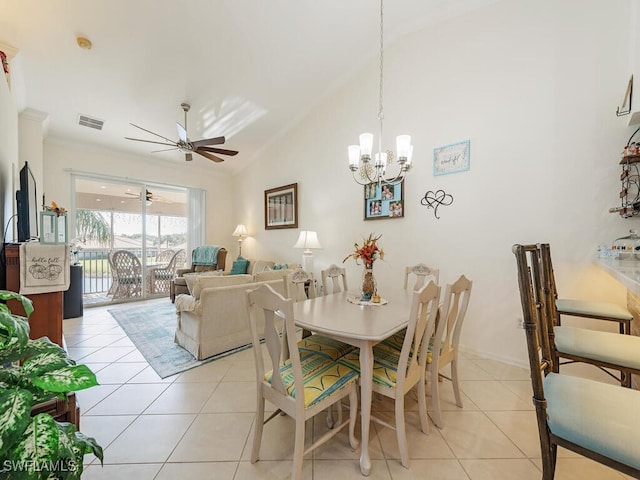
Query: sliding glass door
[132,237]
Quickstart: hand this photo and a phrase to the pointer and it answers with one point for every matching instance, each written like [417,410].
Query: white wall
[8,157]
[534,86]
[61,158]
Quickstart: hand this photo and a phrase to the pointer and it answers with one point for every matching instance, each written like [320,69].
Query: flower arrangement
[56,209]
[368,252]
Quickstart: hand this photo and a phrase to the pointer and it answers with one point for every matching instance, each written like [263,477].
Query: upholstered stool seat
[594,415]
[600,310]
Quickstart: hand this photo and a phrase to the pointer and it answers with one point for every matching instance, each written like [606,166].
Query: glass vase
[368,288]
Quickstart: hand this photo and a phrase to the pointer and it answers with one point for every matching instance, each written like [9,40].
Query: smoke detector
[84,43]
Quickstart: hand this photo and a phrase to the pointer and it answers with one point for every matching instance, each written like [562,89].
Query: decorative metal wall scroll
[435,199]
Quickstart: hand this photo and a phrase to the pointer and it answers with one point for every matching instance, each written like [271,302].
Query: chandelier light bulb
[366,144]
[402,146]
[354,157]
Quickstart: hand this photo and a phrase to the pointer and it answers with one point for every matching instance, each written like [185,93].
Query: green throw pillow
[240,266]
[280,266]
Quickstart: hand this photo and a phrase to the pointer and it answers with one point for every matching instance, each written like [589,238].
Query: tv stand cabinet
[46,319]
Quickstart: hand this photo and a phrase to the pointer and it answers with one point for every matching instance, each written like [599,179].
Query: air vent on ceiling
[86,121]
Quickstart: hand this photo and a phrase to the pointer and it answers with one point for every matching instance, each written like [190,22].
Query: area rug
[151,328]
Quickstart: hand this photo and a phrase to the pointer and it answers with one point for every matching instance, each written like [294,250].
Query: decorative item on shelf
[360,155]
[53,224]
[627,247]
[307,240]
[5,64]
[369,252]
[240,232]
[75,246]
[630,180]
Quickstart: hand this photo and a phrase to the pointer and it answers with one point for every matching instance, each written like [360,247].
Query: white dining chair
[301,386]
[422,273]
[446,340]
[334,279]
[396,372]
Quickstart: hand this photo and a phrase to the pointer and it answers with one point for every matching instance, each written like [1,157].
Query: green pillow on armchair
[240,266]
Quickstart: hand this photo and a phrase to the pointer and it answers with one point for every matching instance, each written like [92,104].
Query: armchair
[178,284]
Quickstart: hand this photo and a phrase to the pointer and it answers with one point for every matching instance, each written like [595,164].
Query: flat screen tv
[27,205]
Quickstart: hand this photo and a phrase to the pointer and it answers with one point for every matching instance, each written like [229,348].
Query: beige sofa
[213,318]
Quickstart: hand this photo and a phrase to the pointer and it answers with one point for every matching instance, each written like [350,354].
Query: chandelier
[360,155]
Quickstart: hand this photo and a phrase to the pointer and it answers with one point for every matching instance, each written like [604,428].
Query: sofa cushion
[258,266]
[240,266]
[218,281]
[271,275]
[191,278]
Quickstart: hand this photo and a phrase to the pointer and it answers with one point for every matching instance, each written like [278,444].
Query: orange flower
[368,252]
[55,208]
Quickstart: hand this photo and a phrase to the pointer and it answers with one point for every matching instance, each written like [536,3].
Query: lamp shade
[240,231]
[308,240]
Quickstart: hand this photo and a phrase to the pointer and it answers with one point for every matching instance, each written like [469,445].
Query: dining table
[362,324]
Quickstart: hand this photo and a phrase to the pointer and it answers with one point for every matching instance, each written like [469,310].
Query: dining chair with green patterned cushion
[591,418]
[445,344]
[396,372]
[299,285]
[302,385]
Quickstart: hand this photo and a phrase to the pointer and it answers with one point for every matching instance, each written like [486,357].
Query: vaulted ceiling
[250,69]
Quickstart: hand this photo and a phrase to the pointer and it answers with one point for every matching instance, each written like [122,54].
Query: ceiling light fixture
[360,155]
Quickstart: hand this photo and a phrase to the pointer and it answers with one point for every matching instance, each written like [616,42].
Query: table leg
[366,387]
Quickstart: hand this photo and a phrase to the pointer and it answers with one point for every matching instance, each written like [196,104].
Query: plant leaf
[14,335]
[66,379]
[38,447]
[27,304]
[46,362]
[15,411]
[42,345]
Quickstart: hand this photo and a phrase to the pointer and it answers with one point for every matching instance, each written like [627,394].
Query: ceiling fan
[150,197]
[201,147]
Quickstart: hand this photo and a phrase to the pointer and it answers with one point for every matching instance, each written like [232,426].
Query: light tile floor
[197,424]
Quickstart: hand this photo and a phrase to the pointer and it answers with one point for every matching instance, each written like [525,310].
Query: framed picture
[281,207]
[451,158]
[385,200]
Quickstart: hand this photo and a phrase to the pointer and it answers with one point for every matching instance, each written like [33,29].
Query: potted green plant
[32,372]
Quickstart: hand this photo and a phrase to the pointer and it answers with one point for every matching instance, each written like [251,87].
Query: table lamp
[307,240]
[240,232]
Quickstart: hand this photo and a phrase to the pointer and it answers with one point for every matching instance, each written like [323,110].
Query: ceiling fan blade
[209,156]
[209,141]
[221,151]
[188,157]
[151,141]
[182,132]
[152,133]
[164,150]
